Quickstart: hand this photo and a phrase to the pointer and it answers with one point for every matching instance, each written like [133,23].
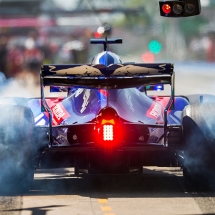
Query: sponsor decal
[38,118]
[59,113]
[163,67]
[41,119]
[155,111]
[85,100]
[78,92]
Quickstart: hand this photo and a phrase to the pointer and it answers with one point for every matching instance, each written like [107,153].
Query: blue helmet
[106,58]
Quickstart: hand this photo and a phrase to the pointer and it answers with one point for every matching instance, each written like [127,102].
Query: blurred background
[35,32]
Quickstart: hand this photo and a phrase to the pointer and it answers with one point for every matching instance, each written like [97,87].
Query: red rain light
[166,8]
[108,133]
[109,129]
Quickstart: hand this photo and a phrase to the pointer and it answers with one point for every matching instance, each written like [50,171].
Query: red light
[109,129]
[108,133]
[97,34]
[148,57]
[166,8]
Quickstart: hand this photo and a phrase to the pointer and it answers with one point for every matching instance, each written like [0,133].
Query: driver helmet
[106,58]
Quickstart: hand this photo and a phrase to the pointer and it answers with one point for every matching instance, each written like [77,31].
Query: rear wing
[114,76]
[111,77]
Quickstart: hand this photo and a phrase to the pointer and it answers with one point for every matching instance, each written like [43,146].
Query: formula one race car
[106,124]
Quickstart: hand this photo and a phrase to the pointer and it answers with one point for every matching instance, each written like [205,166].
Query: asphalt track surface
[156,191]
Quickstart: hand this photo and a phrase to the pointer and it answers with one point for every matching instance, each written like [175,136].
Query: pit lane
[157,191]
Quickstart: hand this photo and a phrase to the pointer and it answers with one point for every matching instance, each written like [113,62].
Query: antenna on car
[105,44]
[106,41]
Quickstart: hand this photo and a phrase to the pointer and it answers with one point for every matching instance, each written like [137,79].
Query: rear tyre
[198,122]
[16,148]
